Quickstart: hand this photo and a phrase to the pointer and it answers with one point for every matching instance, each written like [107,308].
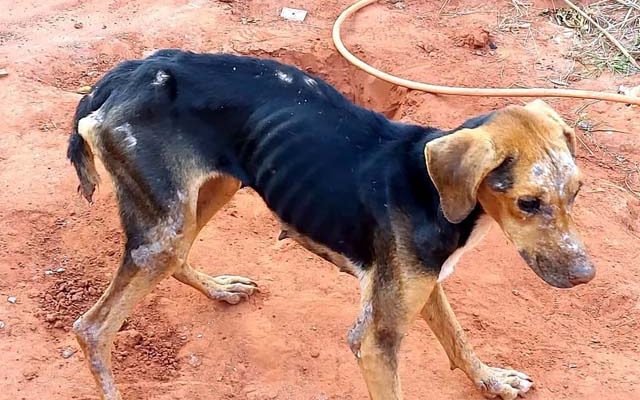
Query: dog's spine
[80,154]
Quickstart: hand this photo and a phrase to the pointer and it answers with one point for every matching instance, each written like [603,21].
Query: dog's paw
[231,289]
[503,383]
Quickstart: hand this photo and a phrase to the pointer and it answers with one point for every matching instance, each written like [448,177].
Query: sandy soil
[289,341]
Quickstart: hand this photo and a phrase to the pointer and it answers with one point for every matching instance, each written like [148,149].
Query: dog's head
[520,166]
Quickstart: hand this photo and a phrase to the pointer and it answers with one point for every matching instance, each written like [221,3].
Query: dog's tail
[80,154]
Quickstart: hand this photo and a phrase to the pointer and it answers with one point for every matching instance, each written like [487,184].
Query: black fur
[334,171]
[501,179]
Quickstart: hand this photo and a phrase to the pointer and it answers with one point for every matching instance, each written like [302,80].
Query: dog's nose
[582,273]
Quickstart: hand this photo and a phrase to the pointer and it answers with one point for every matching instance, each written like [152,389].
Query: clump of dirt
[479,39]
[147,345]
[67,298]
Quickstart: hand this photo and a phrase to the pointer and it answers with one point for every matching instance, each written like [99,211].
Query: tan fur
[543,147]
[337,259]
[392,309]
[96,329]
[491,381]
[545,169]
[396,289]
[457,164]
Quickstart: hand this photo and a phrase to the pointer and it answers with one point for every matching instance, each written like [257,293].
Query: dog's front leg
[391,299]
[493,382]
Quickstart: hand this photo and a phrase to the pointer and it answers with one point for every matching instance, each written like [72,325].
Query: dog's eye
[530,205]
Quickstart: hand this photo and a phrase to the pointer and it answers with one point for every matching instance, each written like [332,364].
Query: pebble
[3,72]
[50,318]
[195,361]
[84,90]
[315,354]
[12,299]
[68,352]
[49,272]
[2,325]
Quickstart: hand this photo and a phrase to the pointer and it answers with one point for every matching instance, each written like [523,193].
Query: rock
[78,25]
[315,354]
[51,318]
[194,361]
[58,324]
[83,90]
[129,338]
[3,72]
[12,299]
[68,352]
[30,375]
[2,325]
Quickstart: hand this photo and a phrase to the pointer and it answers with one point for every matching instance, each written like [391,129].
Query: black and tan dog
[393,204]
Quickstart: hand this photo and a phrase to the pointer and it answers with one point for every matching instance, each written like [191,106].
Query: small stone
[573,366]
[83,90]
[315,354]
[129,338]
[515,292]
[199,336]
[12,299]
[2,325]
[78,25]
[30,375]
[59,270]
[58,324]
[48,272]
[194,361]
[3,72]
[50,318]
[68,352]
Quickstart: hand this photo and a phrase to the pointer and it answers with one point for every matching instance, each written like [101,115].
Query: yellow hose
[461,91]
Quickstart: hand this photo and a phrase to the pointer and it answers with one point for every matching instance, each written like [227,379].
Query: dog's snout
[582,273]
[559,272]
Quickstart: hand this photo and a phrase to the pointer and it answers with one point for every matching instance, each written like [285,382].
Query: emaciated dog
[393,204]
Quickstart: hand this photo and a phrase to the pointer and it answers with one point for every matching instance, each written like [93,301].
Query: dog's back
[320,162]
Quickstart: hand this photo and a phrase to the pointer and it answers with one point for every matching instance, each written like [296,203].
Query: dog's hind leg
[158,238]
[507,384]
[212,196]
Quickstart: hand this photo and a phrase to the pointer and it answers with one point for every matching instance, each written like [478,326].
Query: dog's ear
[540,107]
[457,164]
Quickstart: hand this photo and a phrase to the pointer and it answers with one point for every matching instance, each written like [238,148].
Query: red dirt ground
[289,341]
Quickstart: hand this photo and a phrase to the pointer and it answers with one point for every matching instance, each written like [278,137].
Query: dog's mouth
[561,271]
